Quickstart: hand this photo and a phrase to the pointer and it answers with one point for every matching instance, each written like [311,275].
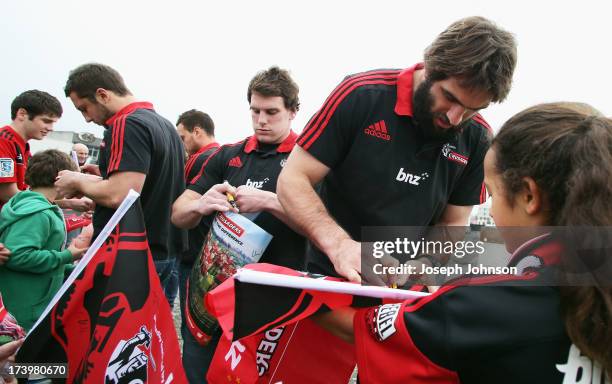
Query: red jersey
[14,156]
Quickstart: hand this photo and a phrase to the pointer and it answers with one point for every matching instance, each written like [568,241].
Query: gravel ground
[176,314]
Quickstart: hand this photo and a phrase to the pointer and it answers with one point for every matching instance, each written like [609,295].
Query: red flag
[273,338]
[245,309]
[74,222]
[113,324]
[301,352]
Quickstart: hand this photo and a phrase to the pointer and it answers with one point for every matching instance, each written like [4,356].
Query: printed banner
[232,242]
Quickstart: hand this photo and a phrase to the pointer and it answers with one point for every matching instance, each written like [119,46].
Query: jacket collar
[543,250]
[286,146]
[205,148]
[129,109]
[405,82]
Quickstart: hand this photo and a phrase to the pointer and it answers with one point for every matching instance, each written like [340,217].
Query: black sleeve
[212,172]
[330,132]
[469,189]
[130,147]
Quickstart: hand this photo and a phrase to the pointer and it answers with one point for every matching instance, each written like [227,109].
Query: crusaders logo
[451,155]
[128,364]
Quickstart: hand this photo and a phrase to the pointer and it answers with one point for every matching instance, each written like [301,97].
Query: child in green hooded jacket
[33,228]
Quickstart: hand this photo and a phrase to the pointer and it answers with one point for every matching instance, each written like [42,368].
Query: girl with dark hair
[550,165]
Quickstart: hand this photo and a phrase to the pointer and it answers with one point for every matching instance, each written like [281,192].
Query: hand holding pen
[216,200]
[230,197]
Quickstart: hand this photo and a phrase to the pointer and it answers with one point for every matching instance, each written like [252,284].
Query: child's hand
[4,254]
[77,253]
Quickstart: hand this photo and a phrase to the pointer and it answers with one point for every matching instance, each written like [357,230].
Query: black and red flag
[113,324]
[269,338]
[244,309]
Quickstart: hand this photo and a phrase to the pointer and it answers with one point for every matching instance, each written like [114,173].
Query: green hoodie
[35,232]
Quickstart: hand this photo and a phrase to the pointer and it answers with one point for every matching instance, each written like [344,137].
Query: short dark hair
[44,166]
[192,118]
[478,52]
[276,82]
[87,78]
[36,103]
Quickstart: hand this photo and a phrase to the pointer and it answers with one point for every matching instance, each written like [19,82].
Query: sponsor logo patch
[379,130]
[448,151]
[383,325]
[229,224]
[256,184]
[7,167]
[235,162]
[407,177]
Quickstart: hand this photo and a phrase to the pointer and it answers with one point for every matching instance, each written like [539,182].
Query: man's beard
[105,113]
[422,102]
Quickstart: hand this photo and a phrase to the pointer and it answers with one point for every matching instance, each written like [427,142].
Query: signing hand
[417,277]
[347,260]
[66,184]
[215,199]
[379,271]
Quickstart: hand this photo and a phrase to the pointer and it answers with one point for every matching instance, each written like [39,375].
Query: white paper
[279,280]
[75,158]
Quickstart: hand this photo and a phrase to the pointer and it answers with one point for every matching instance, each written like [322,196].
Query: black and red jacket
[502,329]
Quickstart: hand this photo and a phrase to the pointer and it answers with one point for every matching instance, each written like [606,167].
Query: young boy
[33,114]
[33,228]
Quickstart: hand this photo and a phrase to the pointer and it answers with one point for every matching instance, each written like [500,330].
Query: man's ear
[22,114]
[530,198]
[103,96]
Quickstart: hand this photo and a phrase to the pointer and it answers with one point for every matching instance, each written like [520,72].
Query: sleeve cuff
[66,256]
